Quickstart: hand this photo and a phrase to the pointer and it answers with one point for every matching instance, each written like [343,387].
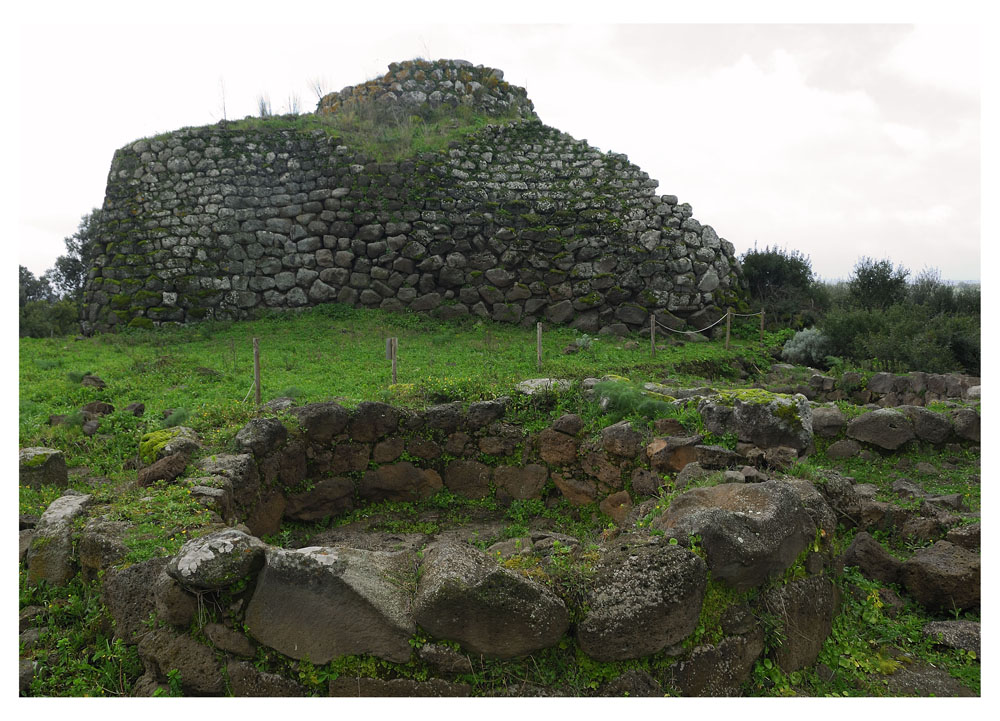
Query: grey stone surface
[750,532]
[886,428]
[51,556]
[39,467]
[292,235]
[804,608]
[643,598]
[964,635]
[943,577]
[217,560]
[465,596]
[323,602]
[163,651]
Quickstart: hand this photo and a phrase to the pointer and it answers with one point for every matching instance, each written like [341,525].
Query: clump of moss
[153,442]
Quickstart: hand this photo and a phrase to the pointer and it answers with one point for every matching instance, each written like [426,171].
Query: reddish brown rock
[669,427]
[399,482]
[468,478]
[596,464]
[621,439]
[388,450]
[327,498]
[98,408]
[166,469]
[673,453]
[578,492]
[349,457]
[373,421]
[423,448]
[617,505]
[557,448]
[521,482]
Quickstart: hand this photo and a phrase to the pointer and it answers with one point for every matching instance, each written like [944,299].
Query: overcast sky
[835,140]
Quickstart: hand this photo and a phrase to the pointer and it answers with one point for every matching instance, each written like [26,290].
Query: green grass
[334,352]
[384,136]
[75,654]
[865,645]
[327,353]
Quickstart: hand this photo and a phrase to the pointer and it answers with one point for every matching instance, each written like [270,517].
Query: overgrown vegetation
[875,320]
[385,132]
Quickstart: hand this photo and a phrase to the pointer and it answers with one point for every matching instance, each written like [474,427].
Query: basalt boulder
[943,577]
[217,560]
[51,557]
[643,598]
[319,603]
[750,532]
[465,596]
[42,467]
[886,428]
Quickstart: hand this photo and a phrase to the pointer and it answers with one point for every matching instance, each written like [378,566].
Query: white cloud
[943,56]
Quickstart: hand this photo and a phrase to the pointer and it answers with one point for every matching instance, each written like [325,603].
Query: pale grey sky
[834,140]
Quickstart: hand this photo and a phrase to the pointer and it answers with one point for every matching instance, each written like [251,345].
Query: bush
[808,347]
[781,281]
[42,318]
[905,337]
[877,283]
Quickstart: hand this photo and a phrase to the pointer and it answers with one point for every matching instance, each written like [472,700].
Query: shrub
[808,347]
[905,337]
[177,418]
[623,399]
[877,283]
[43,319]
[782,282]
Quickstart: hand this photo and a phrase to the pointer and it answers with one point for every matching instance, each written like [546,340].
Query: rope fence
[392,345]
[728,317]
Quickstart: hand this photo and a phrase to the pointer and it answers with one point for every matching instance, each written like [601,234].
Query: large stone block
[750,532]
[465,596]
[320,603]
[642,599]
[41,467]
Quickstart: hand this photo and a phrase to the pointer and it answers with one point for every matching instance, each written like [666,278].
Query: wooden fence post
[729,323]
[652,335]
[538,346]
[256,370]
[391,347]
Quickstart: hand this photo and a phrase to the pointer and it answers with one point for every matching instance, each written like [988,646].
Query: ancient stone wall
[415,83]
[518,222]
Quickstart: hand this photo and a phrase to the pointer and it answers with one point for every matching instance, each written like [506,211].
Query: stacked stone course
[518,223]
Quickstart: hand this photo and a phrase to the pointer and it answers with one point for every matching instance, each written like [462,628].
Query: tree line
[882,317]
[52,303]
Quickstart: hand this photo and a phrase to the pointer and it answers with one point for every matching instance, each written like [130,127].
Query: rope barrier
[685,332]
[245,398]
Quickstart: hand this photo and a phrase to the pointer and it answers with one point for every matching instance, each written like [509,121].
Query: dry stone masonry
[760,540]
[517,222]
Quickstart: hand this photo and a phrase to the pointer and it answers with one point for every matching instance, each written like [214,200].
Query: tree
[877,284]
[70,271]
[32,289]
[776,273]
[782,282]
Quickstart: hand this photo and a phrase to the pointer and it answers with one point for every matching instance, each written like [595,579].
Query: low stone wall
[889,390]
[434,605]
